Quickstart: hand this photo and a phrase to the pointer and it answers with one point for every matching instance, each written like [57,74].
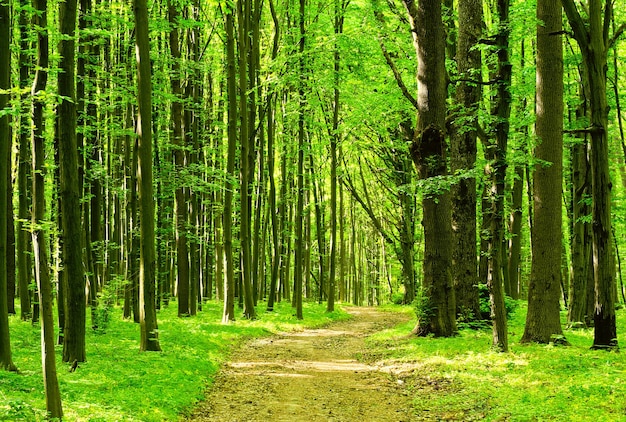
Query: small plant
[101,315]
[424,309]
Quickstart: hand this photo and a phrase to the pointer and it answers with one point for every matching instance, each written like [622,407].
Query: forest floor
[326,374]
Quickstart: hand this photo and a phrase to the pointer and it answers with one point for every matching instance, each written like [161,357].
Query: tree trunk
[42,271]
[299,229]
[6,361]
[73,273]
[582,276]
[463,159]
[147,264]
[247,148]
[180,209]
[24,243]
[543,317]
[593,40]
[229,280]
[429,154]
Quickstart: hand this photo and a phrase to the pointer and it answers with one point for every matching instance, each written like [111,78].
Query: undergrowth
[119,383]
[463,379]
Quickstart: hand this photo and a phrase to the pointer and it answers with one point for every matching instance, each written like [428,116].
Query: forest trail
[311,375]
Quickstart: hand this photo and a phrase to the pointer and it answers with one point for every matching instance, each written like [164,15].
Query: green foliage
[423,307]
[462,378]
[119,383]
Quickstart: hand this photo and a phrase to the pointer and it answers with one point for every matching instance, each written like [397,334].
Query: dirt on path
[312,375]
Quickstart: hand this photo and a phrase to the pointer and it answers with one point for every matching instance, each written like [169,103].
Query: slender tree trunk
[247,146]
[24,247]
[543,317]
[271,135]
[73,273]
[496,169]
[6,361]
[229,280]
[147,264]
[593,40]
[42,271]
[180,210]
[299,229]
[463,159]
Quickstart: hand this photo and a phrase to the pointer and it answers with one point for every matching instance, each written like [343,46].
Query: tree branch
[396,74]
[576,22]
[618,33]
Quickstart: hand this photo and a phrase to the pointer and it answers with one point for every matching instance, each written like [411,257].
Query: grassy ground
[119,383]
[461,378]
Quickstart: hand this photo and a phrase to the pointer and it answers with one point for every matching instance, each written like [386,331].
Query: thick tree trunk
[147,264]
[543,317]
[428,150]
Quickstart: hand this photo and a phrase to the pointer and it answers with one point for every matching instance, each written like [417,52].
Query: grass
[462,378]
[119,383]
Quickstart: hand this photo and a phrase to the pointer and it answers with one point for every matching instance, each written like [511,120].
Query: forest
[184,175]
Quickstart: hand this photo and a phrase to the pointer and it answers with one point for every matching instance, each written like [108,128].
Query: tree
[543,317]
[6,361]
[299,229]
[231,86]
[495,152]
[181,206]
[147,262]
[463,159]
[69,192]
[24,246]
[246,140]
[438,313]
[594,42]
[40,249]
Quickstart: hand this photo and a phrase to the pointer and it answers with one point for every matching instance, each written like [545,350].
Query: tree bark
[24,246]
[73,273]
[147,264]
[178,141]
[593,41]
[6,361]
[463,159]
[429,154]
[229,280]
[543,317]
[42,271]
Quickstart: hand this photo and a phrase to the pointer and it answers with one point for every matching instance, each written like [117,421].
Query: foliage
[462,378]
[118,383]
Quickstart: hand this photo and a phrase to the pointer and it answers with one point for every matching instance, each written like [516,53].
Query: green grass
[120,383]
[462,378]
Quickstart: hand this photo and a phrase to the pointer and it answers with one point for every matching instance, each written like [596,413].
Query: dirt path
[313,375]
